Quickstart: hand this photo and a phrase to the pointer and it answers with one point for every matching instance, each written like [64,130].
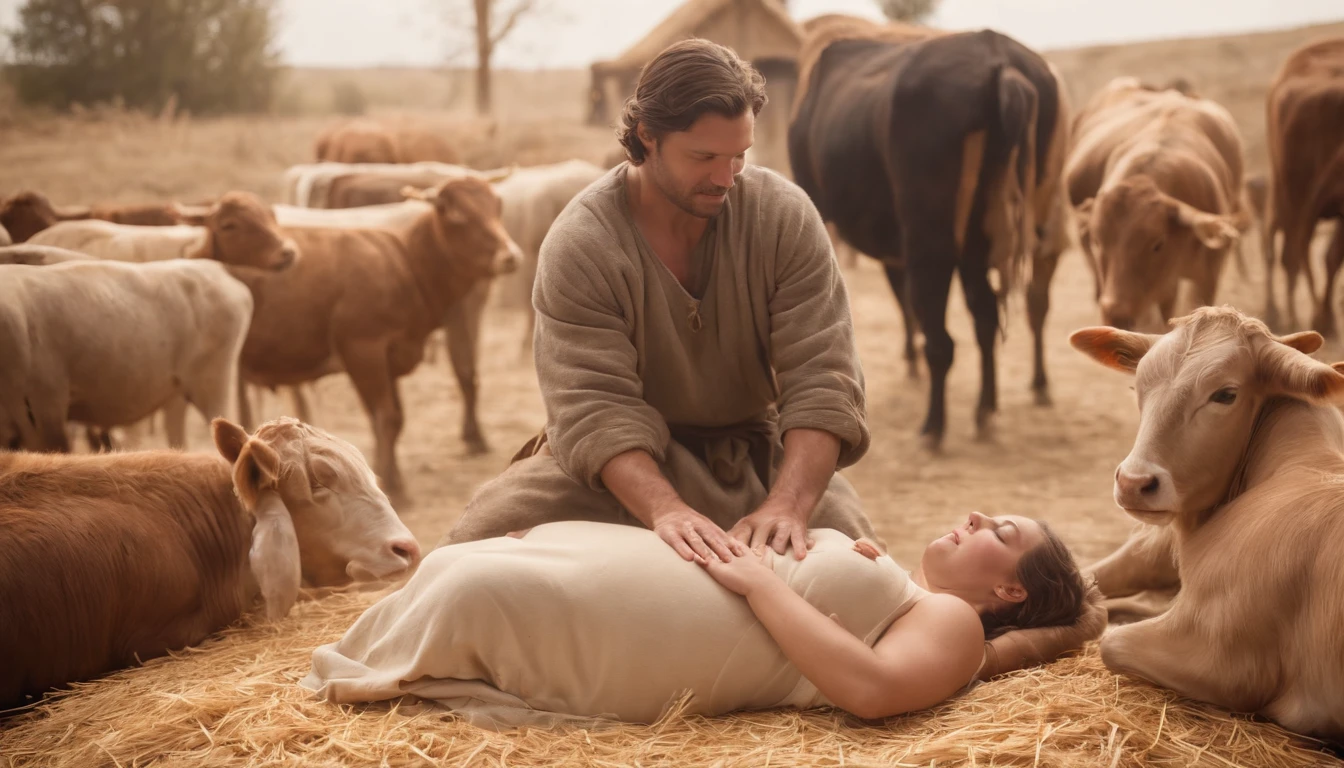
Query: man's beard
[686,202]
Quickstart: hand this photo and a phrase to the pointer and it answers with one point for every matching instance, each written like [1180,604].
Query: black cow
[938,153]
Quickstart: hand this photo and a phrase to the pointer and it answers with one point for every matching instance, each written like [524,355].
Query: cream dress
[594,620]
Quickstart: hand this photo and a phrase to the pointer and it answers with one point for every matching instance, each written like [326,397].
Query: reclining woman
[603,620]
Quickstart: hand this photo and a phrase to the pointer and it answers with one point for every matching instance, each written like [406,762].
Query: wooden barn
[761,32]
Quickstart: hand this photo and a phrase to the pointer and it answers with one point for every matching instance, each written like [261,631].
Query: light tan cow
[362,301]
[309,185]
[1305,121]
[107,344]
[238,229]
[1240,455]
[162,549]
[384,140]
[1155,179]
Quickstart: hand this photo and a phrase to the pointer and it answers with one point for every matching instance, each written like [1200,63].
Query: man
[679,300]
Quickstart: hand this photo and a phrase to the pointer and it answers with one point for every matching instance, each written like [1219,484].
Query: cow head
[26,214]
[1140,236]
[241,231]
[467,223]
[1200,388]
[320,516]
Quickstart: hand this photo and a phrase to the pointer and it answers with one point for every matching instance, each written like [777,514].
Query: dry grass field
[1053,463]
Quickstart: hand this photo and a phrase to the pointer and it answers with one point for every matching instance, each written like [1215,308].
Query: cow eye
[1158,246]
[228,226]
[1224,396]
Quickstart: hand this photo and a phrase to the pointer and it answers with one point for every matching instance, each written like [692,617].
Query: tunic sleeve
[585,355]
[811,332]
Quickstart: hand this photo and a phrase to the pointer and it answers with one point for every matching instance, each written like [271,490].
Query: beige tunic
[705,381]
[594,620]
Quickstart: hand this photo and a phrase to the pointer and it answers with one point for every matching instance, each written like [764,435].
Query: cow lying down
[106,559]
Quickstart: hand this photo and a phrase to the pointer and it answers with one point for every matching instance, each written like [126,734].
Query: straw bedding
[234,702]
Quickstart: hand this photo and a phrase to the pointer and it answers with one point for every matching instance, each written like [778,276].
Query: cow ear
[256,470]
[1305,342]
[229,439]
[1215,231]
[1113,348]
[274,556]
[1289,372]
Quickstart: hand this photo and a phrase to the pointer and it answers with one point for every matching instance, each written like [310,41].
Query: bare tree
[907,10]
[494,20]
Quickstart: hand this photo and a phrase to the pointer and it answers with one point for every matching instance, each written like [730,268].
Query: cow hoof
[984,428]
[931,443]
[1042,396]
[1324,325]
[476,446]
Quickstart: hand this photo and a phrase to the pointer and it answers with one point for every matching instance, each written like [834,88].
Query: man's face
[694,168]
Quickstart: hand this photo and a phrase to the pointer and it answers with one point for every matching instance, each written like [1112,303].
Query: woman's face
[978,559]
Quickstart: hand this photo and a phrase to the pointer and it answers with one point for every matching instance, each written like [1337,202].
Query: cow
[376,140]
[1155,180]
[27,213]
[237,229]
[108,344]
[309,185]
[5,239]
[1305,120]
[39,255]
[108,560]
[363,300]
[1240,455]
[937,153]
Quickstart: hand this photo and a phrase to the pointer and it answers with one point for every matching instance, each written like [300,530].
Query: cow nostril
[1150,486]
[406,550]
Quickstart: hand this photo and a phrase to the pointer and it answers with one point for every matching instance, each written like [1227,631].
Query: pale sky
[573,33]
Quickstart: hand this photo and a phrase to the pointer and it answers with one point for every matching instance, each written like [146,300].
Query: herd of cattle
[935,153]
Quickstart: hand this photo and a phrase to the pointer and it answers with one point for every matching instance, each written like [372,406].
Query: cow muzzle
[1145,490]
[507,259]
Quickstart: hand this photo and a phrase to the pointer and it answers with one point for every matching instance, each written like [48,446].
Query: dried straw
[234,702]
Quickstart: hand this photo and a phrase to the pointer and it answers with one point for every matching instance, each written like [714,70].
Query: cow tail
[1018,112]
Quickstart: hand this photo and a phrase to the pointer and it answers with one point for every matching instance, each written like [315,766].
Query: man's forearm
[810,456]
[634,479]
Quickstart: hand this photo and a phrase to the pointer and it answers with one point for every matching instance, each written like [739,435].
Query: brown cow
[1305,109]
[1240,456]
[28,213]
[110,559]
[372,140]
[1155,179]
[363,301]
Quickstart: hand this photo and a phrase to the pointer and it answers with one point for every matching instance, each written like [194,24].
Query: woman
[600,620]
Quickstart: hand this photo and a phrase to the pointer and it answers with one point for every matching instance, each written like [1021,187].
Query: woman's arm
[925,657]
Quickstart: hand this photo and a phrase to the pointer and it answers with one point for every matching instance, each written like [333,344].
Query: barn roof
[691,19]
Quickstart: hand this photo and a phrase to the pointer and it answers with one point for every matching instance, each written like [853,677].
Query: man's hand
[694,536]
[774,525]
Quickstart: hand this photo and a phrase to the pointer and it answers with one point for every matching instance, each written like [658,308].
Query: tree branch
[521,9]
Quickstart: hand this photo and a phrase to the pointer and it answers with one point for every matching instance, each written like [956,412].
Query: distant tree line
[205,56]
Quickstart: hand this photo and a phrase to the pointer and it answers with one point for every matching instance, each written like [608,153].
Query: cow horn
[413,193]
[499,174]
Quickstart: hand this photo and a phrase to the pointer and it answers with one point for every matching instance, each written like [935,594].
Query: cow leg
[1168,651]
[1296,252]
[1271,311]
[1038,306]
[1144,605]
[300,402]
[463,325]
[984,306]
[928,282]
[371,373]
[244,407]
[1147,560]
[896,278]
[1334,256]
[175,420]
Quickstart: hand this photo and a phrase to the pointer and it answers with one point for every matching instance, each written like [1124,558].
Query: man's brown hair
[686,81]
